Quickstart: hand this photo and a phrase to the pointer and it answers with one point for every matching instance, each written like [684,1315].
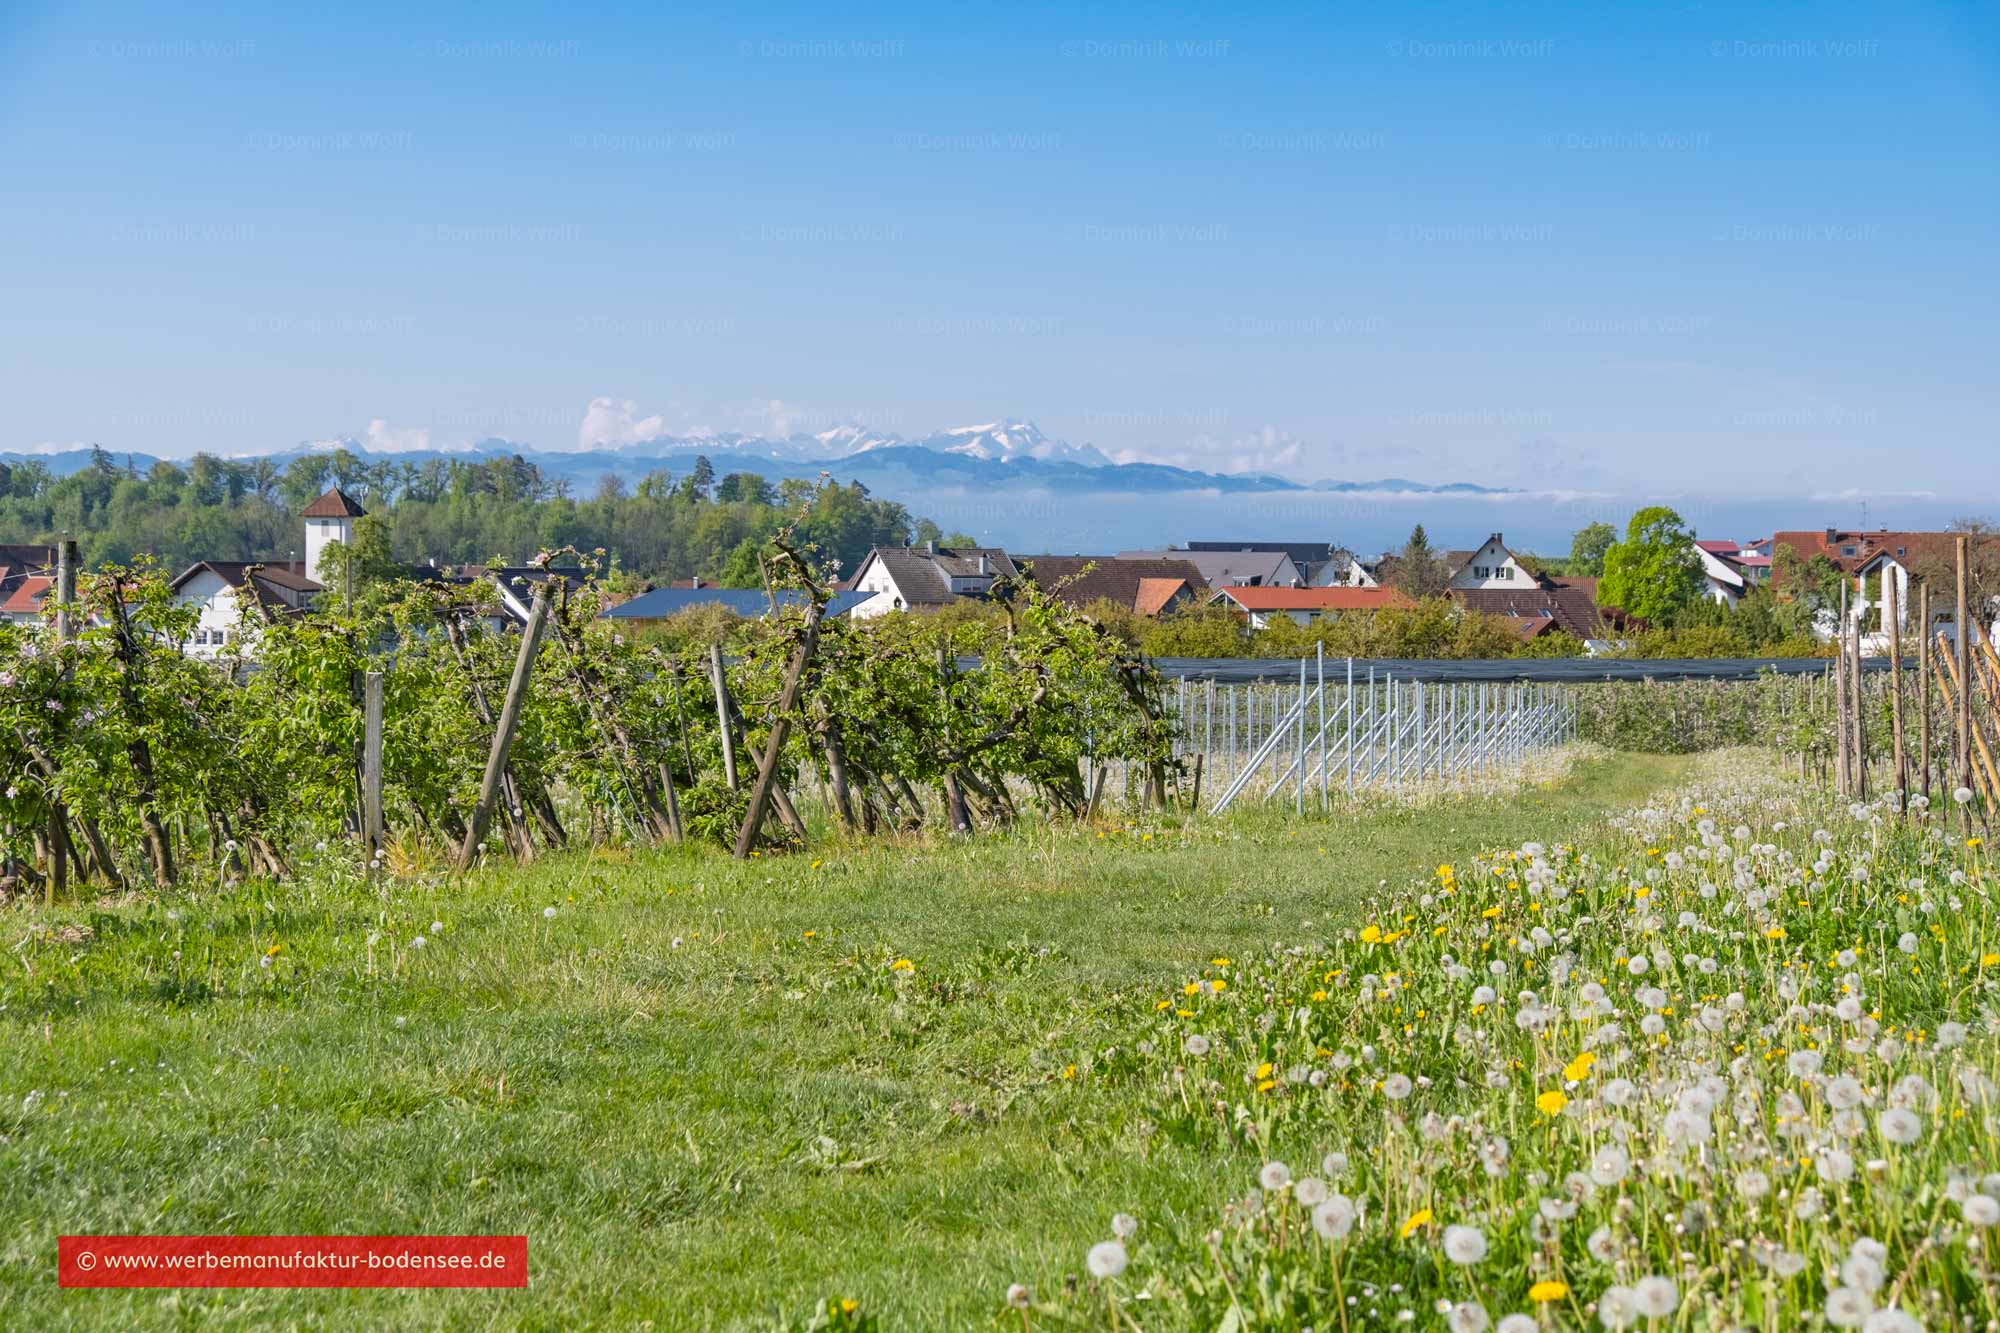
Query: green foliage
[1421,570]
[1654,572]
[452,511]
[1588,547]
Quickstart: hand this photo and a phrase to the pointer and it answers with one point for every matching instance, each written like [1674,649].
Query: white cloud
[616,421]
[1268,449]
[382,438]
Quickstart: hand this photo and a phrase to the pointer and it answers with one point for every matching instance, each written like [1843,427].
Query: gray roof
[1220,569]
[746,602]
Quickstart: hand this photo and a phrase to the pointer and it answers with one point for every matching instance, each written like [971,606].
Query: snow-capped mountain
[1003,441]
[1007,441]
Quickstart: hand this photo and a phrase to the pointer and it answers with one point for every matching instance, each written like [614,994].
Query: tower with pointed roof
[328,519]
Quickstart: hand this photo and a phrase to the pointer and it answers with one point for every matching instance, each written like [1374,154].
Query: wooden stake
[1924,687]
[503,734]
[722,711]
[1963,644]
[65,591]
[371,764]
[1892,606]
[1859,717]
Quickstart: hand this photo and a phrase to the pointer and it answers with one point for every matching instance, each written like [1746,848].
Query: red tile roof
[25,597]
[1154,594]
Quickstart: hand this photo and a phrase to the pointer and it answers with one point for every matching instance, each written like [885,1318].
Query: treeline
[452,511]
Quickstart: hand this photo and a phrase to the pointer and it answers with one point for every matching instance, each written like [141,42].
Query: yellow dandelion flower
[1417,1219]
[1579,1069]
[1548,1290]
[1551,1102]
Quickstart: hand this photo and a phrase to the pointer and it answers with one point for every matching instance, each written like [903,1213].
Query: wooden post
[722,714]
[371,764]
[1860,717]
[781,723]
[1962,644]
[1839,711]
[503,733]
[1924,688]
[65,591]
[1892,604]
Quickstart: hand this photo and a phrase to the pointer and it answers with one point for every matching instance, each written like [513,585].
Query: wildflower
[1618,1307]
[1275,1176]
[1335,1165]
[1899,1124]
[1980,1210]
[1464,1244]
[1516,1323]
[1334,1219]
[1310,1191]
[1963,795]
[548,913]
[437,927]
[1467,1317]
[1107,1259]
[1415,1220]
[417,943]
[1579,1069]
[1123,1225]
[1548,1289]
[1609,1164]
[1656,1297]
[1396,1087]
[1019,1297]
[1552,1102]
[1196,1044]
[1847,1307]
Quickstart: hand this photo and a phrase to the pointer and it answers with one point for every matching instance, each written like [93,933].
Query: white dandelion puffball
[1963,795]
[549,913]
[1891,1320]
[1334,1219]
[1196,1044]
[1516,1323]
[1019,1296]
[437,927]
[1847,1308]
[1609,1164]
[1980,1210]
[1464,1245]
[1467,1317]
[1310,1191]
[1123,1225]
[1656,1297]
[418,942]
[1106,1259]
[1844,1093]
[1618,1307]
[1396,1087]
[1899,1124]
[1863,1272]
[1335,1165]
[1274,1176]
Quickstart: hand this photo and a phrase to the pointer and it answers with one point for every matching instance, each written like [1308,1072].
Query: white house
[219,588]
[328,519]
[905,578]
[1724,579]
[1491,566]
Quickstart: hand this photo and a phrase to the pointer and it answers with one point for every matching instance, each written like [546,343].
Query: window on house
[201,636]
[1847,550]
[222,636]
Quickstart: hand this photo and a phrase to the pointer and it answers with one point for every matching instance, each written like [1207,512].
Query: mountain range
[1004,457]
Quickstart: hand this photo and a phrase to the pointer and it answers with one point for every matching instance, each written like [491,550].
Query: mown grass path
[707,1092]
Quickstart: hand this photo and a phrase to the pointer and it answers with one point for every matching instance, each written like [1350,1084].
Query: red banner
[292,1261]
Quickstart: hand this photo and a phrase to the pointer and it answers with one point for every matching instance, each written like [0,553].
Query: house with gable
[913,578]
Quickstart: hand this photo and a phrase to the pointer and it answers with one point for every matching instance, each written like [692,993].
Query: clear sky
[1581,244]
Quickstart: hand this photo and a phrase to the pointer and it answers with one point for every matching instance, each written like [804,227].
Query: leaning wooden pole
[774,745]
[722,711]
[1859,716]
[503,732]
[372,831]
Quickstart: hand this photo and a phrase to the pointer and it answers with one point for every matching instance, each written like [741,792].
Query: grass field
[708,1092]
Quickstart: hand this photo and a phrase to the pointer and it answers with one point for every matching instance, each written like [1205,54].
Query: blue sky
[1567,245]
